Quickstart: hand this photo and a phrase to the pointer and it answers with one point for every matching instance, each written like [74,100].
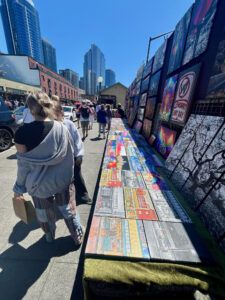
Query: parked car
[69,113]
[19,114]
[8,126]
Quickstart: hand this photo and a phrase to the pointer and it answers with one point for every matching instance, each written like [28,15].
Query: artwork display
[120,149]
[185,89]
[132,115]
[132,179]
[152,139]
[154,84]
[147,126]
[179,242]
[117,237]
[168,208]
[159,57]
[130,150]
[116,162]
[150,108]
[110,202]
[168,97]
[138,205]
[148,68]
[155,182]
[141,112]
[138,88]
[144,85]
[111,178]
[137,126]
[157,121]
[135,164]
[140,72]
[179,39]
[165,141]
[200,28]
[216,88]
[143,99]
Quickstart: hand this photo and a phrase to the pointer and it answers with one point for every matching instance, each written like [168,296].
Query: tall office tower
[94,67]
[81,83]
[110,78]
[70,75]
[49,54]
[22,30]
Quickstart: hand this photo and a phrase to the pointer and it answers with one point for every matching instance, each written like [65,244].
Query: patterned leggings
[65,201]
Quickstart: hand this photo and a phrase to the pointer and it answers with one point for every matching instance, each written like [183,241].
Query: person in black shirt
[120,111]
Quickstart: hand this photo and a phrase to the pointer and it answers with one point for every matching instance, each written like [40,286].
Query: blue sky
[120,28]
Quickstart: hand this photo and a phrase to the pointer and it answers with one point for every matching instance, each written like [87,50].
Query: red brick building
[54,84]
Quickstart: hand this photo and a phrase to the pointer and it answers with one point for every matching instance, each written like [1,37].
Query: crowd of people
[50,153]
[13,104]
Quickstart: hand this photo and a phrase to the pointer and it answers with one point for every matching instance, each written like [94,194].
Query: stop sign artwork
[186,86]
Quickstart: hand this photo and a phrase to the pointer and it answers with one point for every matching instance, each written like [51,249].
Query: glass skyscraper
[110,78]
[70,75]
[22,29]
[49,54]
[94,67]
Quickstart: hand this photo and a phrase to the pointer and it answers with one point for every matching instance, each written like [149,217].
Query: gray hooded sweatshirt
[48,168]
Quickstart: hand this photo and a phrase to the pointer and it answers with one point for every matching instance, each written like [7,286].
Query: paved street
[29,267]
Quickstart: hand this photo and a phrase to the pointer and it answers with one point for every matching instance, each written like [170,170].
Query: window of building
[49,83]
[43,77]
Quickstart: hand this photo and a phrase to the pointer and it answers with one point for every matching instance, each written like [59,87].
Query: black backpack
[85,112]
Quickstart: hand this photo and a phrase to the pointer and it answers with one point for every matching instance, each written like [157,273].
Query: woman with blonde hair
[45,167]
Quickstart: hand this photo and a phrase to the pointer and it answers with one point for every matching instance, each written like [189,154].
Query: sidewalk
[29,267]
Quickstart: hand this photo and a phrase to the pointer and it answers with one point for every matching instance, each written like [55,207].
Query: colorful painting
[136,100]
[138,205]
[200,28]
[179,39]
[144,85]
[117,237]
[135,164]
[132,179]
[138,126]
[185,90]
[141,112]
[152,139]
[148,68]
[143,99]
[116,162]
[159,57]
[165,141]
[147,126]
[120,149]
[154,181]
[154,84]
[150,108]
[157,121]
[216,88]
[168,97]
[111,178]
[110,202]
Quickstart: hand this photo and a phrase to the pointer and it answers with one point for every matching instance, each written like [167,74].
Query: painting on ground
[179,39]
[216,88]
[150,108]
[168,97]
[143,99]
[144,85]
[184,94]
[154,84]
[147,126]
[148,68]
[165,141]
[200,28]
[159,57]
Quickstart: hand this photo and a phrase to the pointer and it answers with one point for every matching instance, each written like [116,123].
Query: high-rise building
[81,83]
[110,78]
[94,67]
[70,75]
[22,30]
[49,54]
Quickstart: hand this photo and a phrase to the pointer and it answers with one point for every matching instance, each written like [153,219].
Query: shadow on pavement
[13,156]
[21,267]
[95,139]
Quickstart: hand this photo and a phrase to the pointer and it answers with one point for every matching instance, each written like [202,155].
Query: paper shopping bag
[24,210]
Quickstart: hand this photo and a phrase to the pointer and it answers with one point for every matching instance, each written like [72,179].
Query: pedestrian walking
[92,116]
[80,187]
[101,118]
[85,112]
[45,168]
[109,116]
[120,111]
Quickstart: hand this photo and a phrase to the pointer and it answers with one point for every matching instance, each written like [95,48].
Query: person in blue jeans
[102,120]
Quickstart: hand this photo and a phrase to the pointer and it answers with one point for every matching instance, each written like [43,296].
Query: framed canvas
[147,126]
[159,57]
[184,94]
[150,107]
[168,97]
[143,99]
[200,28]
[138,126]
[165,141]
[152,139]
[154,84]
[141,112]
[148,68]
[144,85]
